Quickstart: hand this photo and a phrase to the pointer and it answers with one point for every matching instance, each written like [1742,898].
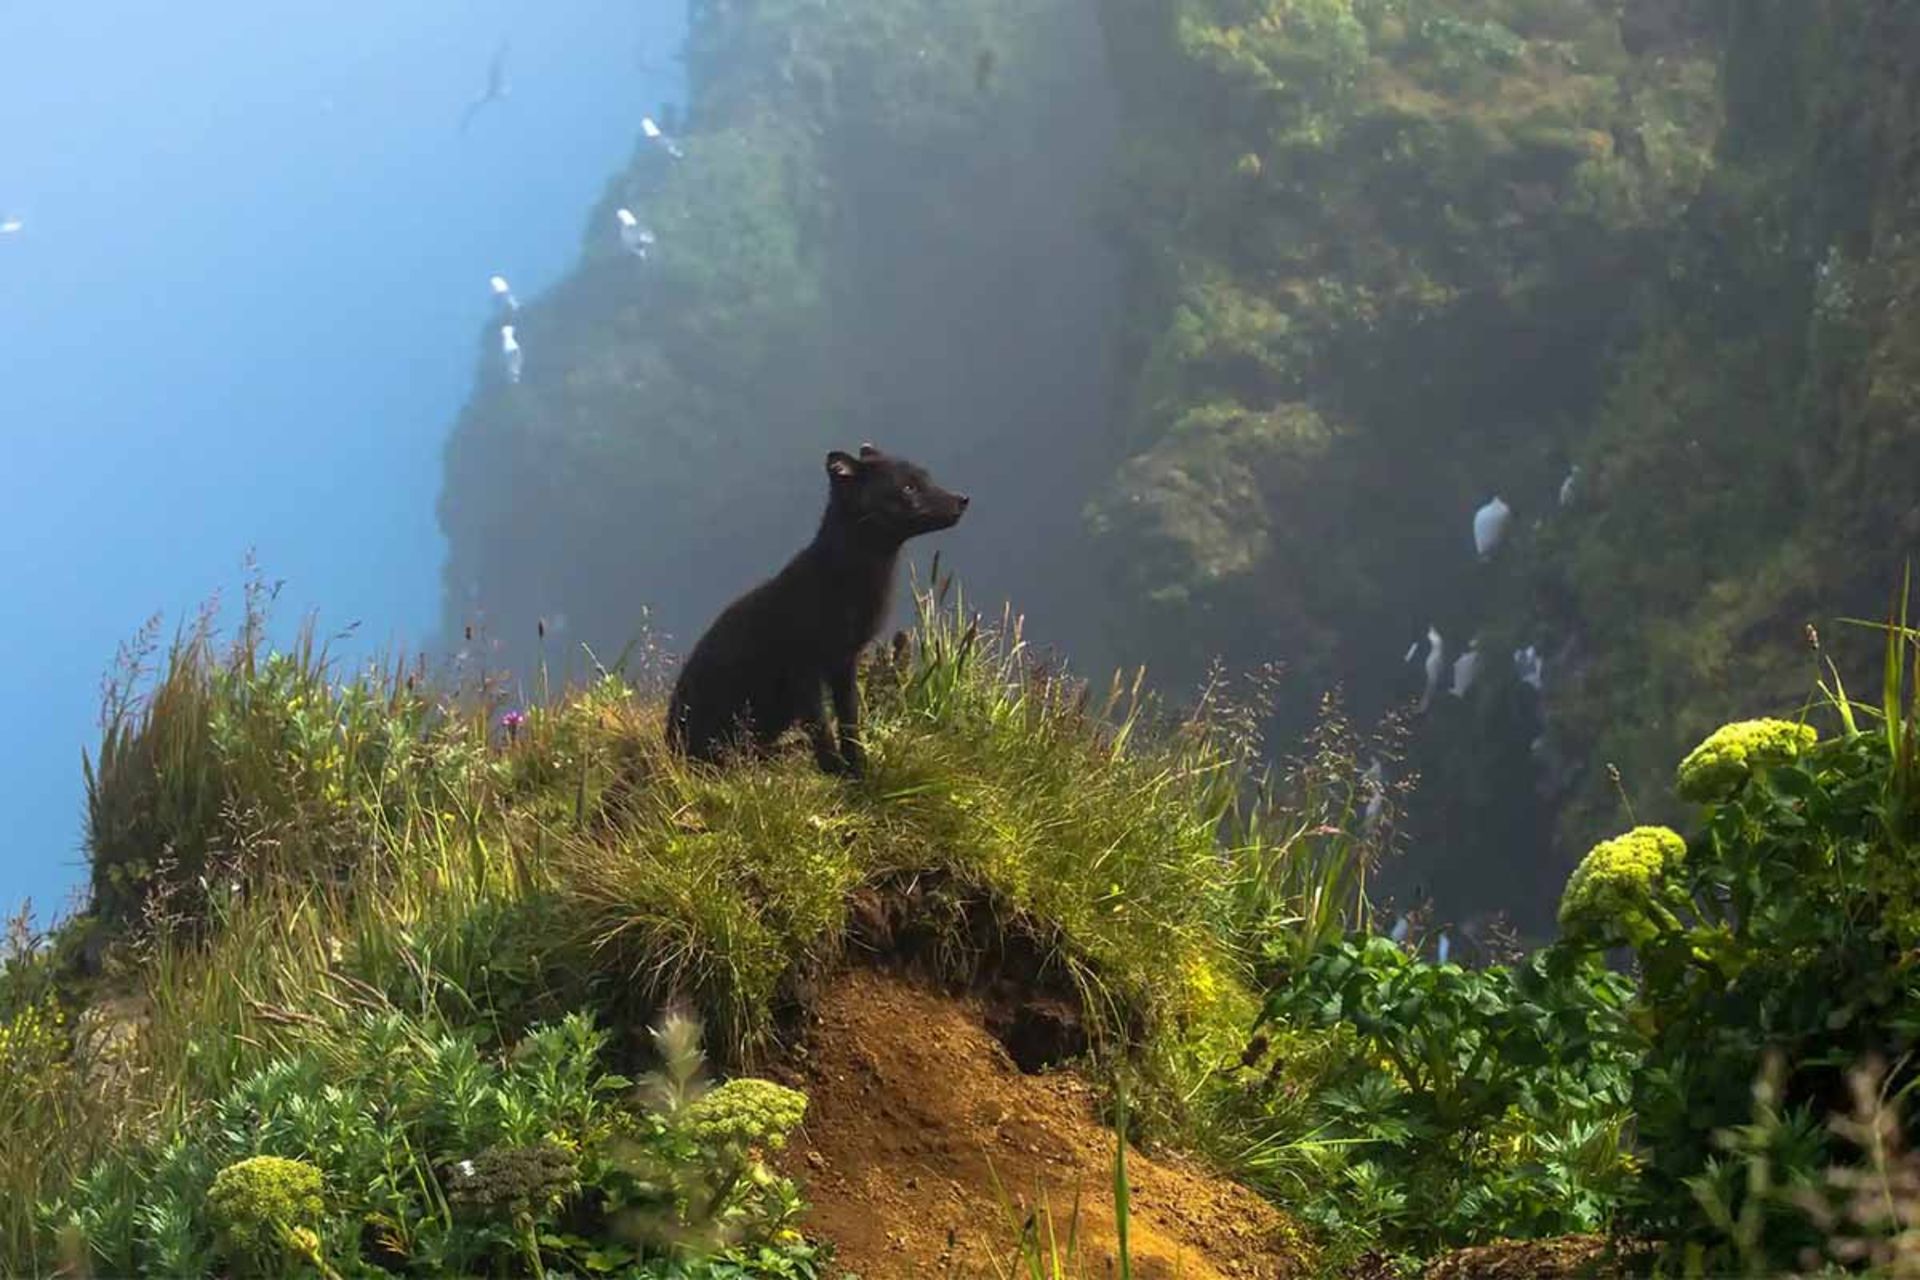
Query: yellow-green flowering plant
[1718,766]
[1786,922]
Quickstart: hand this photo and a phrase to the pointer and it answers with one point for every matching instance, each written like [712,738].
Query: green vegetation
[1392,256]
[390,961]
[1785,927]
[390,1037]
[1373,242]
[265,1209]
[1464,1105]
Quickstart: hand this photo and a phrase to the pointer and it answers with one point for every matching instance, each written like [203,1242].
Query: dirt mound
[915,1109]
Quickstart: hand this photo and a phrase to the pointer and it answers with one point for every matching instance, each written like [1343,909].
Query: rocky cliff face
[1230,313]
[882,229]
[1386,253]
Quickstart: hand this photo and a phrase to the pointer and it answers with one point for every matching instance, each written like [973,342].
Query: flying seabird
[497,87]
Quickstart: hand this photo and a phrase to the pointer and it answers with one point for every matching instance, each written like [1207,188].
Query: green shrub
[1470,1104]
[1787,926]
[442,1158]
[692,1182]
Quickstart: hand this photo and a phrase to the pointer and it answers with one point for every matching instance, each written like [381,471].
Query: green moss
[1619,890]
[1713,770]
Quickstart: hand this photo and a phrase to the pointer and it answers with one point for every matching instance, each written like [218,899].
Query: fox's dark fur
[760,668]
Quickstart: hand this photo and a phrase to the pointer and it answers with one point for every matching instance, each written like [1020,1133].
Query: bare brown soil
[915,1110]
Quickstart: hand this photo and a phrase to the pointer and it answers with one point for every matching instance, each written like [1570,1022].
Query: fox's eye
[909,491]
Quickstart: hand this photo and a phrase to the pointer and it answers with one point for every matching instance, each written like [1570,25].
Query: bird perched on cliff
[654,134]
[510,353]
[1490,527]
[1374,783]
[635,237]
[1466,669]
[1402,929]
[497,87]
[1568,486]
[1529,668]
[1435,665]
[1444,950]
[503,293]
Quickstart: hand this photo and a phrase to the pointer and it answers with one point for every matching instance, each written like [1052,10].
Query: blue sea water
[245,308]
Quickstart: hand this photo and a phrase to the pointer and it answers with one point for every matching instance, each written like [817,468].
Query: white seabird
[1528,667]
[1402,929]
[1490,526]
[1445,948]
[12,226]
[1465,669]
[1436,664]
[1374,782]
[1568,485]
[635,237]
[510,353]
[504,292]
[652,130]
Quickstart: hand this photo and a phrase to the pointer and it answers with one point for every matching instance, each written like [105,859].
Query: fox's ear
[868,451]
[842,466]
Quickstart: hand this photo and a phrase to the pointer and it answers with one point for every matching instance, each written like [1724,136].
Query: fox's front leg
[844,683]
[814,718]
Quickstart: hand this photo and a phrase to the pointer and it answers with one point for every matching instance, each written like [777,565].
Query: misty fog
[240,313]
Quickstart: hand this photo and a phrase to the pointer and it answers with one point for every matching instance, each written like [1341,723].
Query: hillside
[1232,315]
[391,973]
[413,932]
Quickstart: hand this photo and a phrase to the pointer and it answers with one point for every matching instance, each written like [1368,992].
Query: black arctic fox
[759,669]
